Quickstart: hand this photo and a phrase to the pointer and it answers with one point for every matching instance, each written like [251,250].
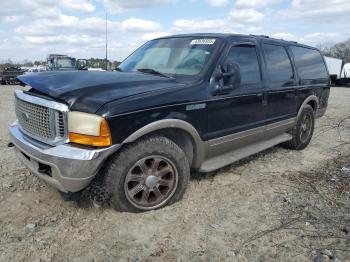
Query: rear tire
[303,131]
[147,175]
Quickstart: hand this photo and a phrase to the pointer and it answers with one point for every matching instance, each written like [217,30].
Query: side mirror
[225,78]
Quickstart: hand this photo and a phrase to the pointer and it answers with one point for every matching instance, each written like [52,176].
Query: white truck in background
[345,73]
[339,73]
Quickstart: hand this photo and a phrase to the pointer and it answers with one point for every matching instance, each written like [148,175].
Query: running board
[237,154]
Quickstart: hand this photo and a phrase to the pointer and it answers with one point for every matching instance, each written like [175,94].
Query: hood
[87,91]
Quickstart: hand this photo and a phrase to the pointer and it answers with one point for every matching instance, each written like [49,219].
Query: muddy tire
[303,131]
[146,175]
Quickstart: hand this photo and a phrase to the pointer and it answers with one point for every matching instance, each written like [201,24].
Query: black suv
[178,103]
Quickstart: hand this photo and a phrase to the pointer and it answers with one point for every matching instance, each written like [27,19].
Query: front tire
[147,175]
[304,129]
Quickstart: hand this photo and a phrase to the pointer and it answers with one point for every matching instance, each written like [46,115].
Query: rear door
[281,83]
[312,73]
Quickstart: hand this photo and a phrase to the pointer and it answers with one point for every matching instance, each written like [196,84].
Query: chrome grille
[39,120]
[60,124]
[35,119]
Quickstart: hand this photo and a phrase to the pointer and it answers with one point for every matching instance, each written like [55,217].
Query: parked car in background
[36,69]
[57,62]
[178,103]
[60,62]
[9,74]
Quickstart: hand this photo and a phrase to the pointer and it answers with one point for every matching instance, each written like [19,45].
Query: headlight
[88,129]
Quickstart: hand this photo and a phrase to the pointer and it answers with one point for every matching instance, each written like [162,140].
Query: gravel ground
[221,217]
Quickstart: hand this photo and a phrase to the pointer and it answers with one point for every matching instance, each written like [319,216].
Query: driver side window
[246,58]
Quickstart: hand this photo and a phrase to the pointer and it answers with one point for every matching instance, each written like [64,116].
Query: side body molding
[199,153]
[306,101]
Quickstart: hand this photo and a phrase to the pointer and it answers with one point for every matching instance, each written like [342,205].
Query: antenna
[106,45]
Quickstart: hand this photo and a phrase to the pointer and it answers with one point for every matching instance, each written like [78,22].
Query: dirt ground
[248,211]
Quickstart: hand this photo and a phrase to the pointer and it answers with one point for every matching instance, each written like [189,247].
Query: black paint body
[130,101]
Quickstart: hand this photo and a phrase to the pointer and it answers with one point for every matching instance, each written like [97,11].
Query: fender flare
[177,124]
[306,101]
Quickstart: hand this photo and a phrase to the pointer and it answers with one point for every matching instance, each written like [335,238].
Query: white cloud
[43,8]
[254,29]
[285,36]
[12,18]
[96,25]
[77,40]
[79,5]
[318,9]
[118,6]
[218,3]
[135,24]
[255,3]
[115,45]
[237,19]
[198,25]
[313,39]
[246,15]
[153,35]
[91,26]
[68,33]
[47,26]
[321,37]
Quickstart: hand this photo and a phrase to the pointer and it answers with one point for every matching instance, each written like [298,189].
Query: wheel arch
[311,100]
[180,132]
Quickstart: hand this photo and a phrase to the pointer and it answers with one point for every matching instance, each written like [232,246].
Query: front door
[242,109]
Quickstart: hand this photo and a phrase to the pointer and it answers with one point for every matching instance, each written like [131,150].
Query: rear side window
[309,63]
[278,64]
[246,58]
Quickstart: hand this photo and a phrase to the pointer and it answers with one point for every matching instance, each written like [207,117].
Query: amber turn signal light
[104,138]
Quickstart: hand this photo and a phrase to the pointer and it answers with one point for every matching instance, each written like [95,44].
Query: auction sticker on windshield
[203,42]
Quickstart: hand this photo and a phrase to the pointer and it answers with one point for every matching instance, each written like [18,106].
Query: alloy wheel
[150,182]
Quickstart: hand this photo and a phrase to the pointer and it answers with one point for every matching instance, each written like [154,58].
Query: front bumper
[71,167]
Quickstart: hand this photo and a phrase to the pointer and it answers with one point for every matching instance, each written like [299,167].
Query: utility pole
[106,45]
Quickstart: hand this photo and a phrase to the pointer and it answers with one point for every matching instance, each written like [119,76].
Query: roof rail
[265,36]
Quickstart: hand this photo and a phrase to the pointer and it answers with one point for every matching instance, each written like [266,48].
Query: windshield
[185,56]
[65,62]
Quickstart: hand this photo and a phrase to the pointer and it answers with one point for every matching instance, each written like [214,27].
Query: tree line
[340,50]
[91,62]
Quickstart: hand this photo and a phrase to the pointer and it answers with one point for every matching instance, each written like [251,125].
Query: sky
[32,29]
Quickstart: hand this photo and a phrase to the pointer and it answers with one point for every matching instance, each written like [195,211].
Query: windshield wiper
[153,72]
[118,69]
